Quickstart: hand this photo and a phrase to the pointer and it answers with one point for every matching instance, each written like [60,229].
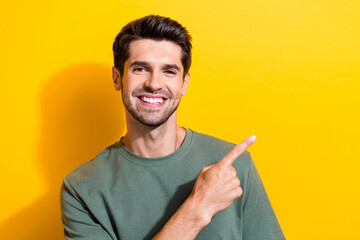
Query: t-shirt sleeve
[259,220]
[78,221]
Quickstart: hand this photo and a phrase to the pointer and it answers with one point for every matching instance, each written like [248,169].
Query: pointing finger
[237,151]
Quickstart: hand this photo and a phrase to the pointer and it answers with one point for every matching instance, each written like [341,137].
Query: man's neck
[153,142]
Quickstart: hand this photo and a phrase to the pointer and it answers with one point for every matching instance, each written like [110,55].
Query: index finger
[239,149]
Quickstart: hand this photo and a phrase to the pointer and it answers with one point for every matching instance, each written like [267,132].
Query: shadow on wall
[81,114]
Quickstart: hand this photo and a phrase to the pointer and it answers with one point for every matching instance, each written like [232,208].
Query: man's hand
[217,185]
[215,189]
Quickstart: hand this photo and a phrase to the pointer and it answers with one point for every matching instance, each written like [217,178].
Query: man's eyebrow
[174,66]
[142,63]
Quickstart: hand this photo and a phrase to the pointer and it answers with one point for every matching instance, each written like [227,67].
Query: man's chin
[152,123]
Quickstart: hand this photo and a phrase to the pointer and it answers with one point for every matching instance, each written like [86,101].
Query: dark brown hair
[156,28]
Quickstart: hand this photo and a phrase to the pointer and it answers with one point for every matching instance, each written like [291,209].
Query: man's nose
[154,81]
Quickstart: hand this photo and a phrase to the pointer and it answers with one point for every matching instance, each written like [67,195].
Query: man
[147,185]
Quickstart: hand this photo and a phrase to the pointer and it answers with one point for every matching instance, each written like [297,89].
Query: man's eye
[170,72]
[139,69]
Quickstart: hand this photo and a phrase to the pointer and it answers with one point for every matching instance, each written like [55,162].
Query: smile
[152,100]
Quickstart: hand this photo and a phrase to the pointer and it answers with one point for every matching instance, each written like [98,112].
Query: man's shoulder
[218,147]
[93,169]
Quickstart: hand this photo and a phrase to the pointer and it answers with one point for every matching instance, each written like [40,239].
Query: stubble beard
[150,117]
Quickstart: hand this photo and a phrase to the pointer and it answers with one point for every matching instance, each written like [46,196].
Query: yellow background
[287,71]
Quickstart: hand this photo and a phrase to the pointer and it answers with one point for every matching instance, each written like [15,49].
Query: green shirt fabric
[119,195]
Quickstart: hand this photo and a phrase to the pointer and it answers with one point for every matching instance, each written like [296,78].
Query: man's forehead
[154,49]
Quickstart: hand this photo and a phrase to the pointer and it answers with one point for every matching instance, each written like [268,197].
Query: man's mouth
[152,100]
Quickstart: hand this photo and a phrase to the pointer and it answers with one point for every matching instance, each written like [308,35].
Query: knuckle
[237,181]
[220,166]
[239,192]
[233,172]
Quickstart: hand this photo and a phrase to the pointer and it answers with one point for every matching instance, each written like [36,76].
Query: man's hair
[156,28]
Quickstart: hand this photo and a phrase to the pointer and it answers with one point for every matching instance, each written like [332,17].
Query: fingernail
[252,138]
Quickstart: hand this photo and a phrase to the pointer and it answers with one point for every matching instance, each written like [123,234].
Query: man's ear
[185,84]
[116,79]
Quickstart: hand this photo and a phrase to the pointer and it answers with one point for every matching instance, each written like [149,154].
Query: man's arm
[215,189]
[78,222]
[259,219]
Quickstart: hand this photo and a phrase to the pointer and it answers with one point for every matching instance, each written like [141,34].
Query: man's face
[153,81]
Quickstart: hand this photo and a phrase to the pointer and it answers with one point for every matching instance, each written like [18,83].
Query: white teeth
[152,100]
